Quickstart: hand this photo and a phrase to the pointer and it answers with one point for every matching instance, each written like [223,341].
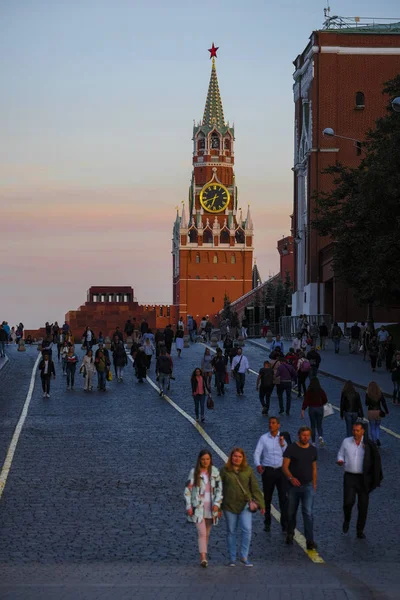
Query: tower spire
[213,111]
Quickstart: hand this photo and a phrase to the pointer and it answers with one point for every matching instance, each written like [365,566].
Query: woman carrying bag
[377,408]
[315,399]
[350,406]
[203,497]
[88,369]
[242,497]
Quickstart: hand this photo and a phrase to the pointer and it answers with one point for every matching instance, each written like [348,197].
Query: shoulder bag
[237,367]
[328,409]
[251,504]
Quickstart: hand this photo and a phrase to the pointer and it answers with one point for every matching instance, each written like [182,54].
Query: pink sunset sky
[97,107]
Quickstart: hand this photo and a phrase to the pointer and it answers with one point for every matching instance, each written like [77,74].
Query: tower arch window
[224,238]
[215,259]
[197,258]
[233,259]
[193,237]
[360,100]
[201,141]
[207,236]
[215,140]
[227,143]
[239,236]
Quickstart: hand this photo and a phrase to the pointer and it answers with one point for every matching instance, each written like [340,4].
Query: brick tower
[212,244]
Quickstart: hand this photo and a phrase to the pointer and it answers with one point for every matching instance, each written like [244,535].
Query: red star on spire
[213,51]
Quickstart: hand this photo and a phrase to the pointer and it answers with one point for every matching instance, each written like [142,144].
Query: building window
[193,236]
[197,276]
[227,144]
[360,100]
[215,277]
[168,311]
[215,140]
[212,299]
[233,277]
[233,259]
[197,258]
[161,311]
[225,237]
[207,237]
[201,143]
[215,259]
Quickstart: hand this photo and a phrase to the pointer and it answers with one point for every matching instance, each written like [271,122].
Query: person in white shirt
[351,457]
[268,459]
[240,366]
[296,344]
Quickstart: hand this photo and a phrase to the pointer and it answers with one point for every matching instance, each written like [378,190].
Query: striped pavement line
[17,432]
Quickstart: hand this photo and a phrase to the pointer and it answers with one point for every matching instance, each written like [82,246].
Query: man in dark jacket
[323,335]
[163,370]
[128,329]
[168,337]
[219,366]
[355,334]
[363,474]
[315,358]
[3,340]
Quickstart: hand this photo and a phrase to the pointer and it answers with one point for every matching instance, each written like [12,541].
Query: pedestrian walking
[72,359]
[55,330]
[314,358]
[350,406]
[163,370]
[268,459]
[203,497]
[3,341]
[336,335]
[120,360]
[129,328]
[300,468]
[88,369]
[287,375]
[390,348]
[207,367]
[245,325]
[296,343]
[240,366]
[88,338]
[199,389]
[64,354]
[141,364]
[102,364]
[303,371]
[265,386]
[362,474]
[241,497]
[377,410]
[179,340]
[355,336]
[323,335]
[228,348]
[219,366]
[208,329]
[373,351]
[395,370]
[149,351]
[47,371]
[168,337]
[314,399]
[277,344]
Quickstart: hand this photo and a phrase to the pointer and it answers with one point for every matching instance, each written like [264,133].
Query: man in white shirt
[240,366]
[268,459]
[351,457]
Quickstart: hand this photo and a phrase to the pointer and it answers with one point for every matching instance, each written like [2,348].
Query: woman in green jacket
[239,487]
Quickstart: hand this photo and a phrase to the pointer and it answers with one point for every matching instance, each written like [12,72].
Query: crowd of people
[289,467]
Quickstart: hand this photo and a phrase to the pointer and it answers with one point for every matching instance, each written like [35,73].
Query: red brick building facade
[212,247]
[338,84]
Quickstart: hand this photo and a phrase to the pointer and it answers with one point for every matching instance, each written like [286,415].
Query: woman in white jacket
[88,368]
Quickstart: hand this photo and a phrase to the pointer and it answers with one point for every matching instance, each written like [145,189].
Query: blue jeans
[305,494]
[199,403]
[285,386]
[375,430]
[240,379]
[313,372]
[350,418]
[396,388]
[2,348]
[244,520]
[336,343]
[102,378]
[316,414]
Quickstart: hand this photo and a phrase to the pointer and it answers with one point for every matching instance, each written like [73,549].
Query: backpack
[305,366]
[267,378]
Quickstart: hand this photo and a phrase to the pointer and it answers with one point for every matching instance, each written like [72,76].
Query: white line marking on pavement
[389,431]
[17,432]
[298,536]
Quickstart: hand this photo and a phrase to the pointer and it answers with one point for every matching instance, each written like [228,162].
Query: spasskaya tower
[212,245]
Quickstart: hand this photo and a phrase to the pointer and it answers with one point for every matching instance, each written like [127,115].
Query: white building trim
[355,50]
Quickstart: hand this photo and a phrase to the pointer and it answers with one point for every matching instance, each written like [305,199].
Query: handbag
[382,414]
[109,376]
[328,409]
[251,504]
[210,403]
[237,367]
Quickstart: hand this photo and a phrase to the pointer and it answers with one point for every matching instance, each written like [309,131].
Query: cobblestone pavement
[93,505]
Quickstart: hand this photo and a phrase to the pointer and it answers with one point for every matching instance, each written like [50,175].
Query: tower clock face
[214,197]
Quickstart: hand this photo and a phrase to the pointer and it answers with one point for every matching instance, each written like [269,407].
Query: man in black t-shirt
[300,467]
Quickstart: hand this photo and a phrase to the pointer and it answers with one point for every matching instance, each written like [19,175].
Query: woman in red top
[314,400]
[199,389]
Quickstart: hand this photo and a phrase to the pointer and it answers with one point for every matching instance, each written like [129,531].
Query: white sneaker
[48,395]
[321,441]
[44,395]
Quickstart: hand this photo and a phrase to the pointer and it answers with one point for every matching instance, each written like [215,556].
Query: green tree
[269,295]
[361,213]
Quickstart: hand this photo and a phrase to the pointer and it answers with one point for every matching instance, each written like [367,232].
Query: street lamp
[329,132]
[396,104]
